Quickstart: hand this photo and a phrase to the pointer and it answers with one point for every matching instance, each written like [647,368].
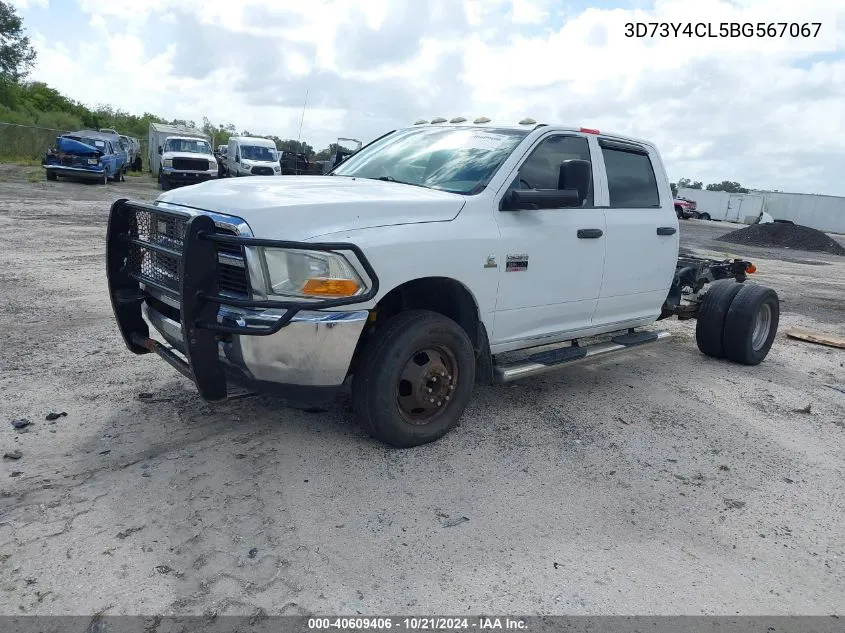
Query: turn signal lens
[751,268]
[330,287]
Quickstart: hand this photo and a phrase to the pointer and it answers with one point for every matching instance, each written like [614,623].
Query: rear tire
[751,324]
[704,216]
[415,378]
[710,323]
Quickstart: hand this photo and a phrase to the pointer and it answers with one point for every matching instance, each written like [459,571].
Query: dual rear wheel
[737,321]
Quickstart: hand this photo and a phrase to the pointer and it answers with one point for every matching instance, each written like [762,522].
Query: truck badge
[516,263]
[491,262]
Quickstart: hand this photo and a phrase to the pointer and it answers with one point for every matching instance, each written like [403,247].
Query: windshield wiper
[401,182]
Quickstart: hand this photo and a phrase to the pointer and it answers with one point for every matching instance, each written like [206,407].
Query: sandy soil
[668,483]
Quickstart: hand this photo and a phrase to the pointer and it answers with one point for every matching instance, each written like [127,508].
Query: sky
[768,112]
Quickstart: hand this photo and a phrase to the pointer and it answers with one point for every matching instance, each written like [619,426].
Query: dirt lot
[669,483]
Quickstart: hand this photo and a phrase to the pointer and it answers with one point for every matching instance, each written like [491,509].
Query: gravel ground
[668,483]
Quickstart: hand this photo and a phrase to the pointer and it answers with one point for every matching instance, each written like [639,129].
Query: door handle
[589,234]
[666,230]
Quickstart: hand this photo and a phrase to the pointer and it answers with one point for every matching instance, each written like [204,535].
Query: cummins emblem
[491,262]
[516,263]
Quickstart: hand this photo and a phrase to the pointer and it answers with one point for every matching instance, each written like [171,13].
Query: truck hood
[303,207]
[172,155]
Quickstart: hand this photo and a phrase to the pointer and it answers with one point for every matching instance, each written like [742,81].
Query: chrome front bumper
[314,350]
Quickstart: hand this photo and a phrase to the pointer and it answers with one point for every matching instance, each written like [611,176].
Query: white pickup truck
[435,257]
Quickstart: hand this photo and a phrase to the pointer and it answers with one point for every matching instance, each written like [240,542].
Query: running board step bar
[551,360]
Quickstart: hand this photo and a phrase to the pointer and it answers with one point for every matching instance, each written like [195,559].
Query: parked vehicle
[298,164]
[137,164]
[87,155]
[158,133]
[186,160]
[418,266]
[685,208]
[220,155]
[346,147]
[252,156]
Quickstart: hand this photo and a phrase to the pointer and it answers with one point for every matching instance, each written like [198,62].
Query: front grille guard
[198,291]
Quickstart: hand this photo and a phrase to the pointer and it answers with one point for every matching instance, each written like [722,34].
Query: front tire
[415,378]
[710,323]
[51,175]
[105,179]
[751,324]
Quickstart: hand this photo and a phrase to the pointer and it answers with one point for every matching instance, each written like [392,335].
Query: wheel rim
[762,326]
[427,384]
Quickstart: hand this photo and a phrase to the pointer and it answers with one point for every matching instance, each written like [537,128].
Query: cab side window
[542,168]
[630,178]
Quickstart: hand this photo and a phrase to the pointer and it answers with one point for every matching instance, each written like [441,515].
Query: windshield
[459,160]
[257,152]
[194,146]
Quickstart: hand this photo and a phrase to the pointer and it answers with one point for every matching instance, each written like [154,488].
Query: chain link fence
[31,142]
[26,141]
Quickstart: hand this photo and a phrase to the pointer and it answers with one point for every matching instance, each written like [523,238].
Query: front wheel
[105,179]
[415,378]
[51,175]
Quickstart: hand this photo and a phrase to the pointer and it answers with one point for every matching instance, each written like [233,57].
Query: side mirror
[160,151]
[535,199]
[237,158]
[576,174]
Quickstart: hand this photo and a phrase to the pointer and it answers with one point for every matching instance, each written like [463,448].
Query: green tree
[727,185]
[689,184]
[17,56]
[325,154]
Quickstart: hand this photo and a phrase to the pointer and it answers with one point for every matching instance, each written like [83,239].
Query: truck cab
[433,258]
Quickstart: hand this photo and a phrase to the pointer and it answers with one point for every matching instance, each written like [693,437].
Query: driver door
[551,261]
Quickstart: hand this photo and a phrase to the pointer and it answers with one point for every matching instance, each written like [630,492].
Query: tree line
[37,104]
[726,185]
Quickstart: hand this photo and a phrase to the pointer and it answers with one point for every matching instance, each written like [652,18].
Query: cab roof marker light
[527,121]
[438,119]
[458,119]
[420,122]
[589,130]
[481,119]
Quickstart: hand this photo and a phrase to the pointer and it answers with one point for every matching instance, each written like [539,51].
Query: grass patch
[19,160]
[35,177]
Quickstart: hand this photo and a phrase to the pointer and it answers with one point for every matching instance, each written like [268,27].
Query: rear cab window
[631,180]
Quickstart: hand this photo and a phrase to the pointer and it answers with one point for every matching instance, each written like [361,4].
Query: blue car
[86,155]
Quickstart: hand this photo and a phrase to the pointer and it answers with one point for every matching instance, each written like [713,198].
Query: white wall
[721,205]
[825,213]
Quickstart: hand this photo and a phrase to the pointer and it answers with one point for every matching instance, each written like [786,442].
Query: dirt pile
[784,235]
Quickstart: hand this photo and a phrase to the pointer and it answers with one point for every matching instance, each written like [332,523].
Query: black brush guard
[198,291]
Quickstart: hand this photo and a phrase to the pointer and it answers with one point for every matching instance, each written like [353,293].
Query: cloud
[765,111]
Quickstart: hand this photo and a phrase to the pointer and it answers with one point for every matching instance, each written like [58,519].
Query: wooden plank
[821,338]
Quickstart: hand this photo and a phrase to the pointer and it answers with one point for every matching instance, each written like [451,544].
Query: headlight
[309,274]
[93,161]
[167,162]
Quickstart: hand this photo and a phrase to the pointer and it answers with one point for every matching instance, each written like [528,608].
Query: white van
[252,156]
